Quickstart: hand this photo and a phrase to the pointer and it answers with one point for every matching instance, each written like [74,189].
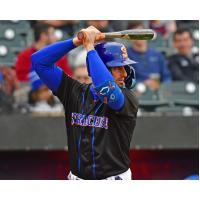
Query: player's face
[119,74]
[183,42]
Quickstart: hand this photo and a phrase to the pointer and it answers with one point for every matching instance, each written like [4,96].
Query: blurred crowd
[175,58]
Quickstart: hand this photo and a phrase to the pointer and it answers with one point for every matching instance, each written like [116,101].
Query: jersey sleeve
[131,104]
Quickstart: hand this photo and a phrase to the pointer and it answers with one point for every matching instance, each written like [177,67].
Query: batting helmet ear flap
[130,80]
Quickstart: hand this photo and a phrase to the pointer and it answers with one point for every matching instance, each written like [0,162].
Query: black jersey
[98,136]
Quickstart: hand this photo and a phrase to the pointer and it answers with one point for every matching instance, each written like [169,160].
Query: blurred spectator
[164,27]
[119,25]
[80,68]
[6,100]
[151,68]
[44,35]
[41,99]
[185,64]
[101,25]
[68,26]
[187,24]
[10,80]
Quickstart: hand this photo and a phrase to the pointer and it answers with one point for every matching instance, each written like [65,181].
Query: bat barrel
[134,34]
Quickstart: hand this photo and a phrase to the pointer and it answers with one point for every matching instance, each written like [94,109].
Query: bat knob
[154,36]
[80,35]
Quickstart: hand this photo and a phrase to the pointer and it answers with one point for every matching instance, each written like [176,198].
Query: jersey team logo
[124,53]
[91,120]
[104,90]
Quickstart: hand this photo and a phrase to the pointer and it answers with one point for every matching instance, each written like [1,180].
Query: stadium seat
[149,99]
[21,26]
[16,34]
[7,33]
[180,93]
[8,59]
[195,34]
[16,44]
[61,35]
[158,42]
[170,109]
[179,110]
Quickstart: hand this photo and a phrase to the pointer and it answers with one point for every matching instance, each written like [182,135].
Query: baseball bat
[131,34]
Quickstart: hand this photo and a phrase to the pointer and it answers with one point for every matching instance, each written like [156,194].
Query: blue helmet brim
[119,63]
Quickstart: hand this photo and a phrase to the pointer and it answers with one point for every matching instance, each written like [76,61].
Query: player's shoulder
[128,91]
[130,96]
[130,106]
[70,85]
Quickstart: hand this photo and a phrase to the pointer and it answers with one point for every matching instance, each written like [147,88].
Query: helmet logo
[124,52]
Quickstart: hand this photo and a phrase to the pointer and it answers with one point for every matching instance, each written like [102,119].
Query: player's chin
[120,83]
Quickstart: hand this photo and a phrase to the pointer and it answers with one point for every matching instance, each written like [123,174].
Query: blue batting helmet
[114,54]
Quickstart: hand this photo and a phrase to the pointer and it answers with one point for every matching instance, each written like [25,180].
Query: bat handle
[81,35]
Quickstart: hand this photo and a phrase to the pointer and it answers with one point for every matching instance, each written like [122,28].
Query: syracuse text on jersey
[91,120]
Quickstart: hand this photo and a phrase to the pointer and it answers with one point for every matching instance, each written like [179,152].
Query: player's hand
[77,42]
[98,35]
[91,29]
[91,35]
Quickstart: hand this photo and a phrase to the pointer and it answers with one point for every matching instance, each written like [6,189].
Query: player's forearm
[103,81]
[54,52]
[44,59]
[97,68]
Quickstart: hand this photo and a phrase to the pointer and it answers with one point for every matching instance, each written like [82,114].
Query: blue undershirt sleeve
[105,86]
[43,62]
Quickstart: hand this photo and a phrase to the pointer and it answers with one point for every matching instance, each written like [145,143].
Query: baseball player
[100,117]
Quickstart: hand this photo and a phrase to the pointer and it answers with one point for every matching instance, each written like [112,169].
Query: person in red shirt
[44,35]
